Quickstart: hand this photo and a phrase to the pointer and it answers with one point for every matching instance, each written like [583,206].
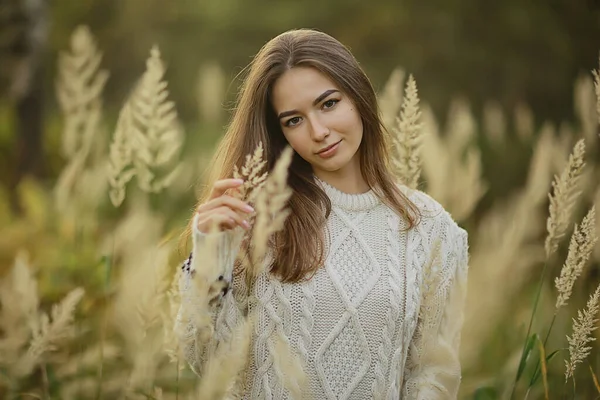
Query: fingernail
[239,181]
[246,224]
[248,208]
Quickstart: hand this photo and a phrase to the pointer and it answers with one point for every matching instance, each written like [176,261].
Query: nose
[318,130]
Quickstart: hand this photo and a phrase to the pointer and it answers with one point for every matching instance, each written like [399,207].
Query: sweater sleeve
[212,297]
[433,367]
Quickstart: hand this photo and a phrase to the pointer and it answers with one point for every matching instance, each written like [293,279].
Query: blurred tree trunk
[30,127]
[23,37]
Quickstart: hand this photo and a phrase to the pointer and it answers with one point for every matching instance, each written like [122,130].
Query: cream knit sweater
[380,320]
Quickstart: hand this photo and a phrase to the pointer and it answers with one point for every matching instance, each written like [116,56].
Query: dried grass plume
[148,136]
[120,163]
[253,173]
[79,88]
[583,327]
[580,249]
[224,370]
[390,98]
[407,138]
[157,135]
[271,209]
[596,74]
[563,200]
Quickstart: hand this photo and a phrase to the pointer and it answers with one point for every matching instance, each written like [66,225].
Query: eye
[292,121]
[330,103]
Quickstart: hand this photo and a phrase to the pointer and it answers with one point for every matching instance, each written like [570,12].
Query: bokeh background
[506,90]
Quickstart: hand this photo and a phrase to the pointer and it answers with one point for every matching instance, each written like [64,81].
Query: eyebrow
[317,101]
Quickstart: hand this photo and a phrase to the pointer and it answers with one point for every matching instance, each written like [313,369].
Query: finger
[221,186]
[233,192]
[231,214]
[225,218]
[221,221]
[226,200]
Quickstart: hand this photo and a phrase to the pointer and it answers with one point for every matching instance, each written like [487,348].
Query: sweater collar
[347,201]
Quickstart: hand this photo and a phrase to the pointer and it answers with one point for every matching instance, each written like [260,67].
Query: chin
[333,165]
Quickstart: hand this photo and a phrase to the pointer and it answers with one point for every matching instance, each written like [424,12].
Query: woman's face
[314,115]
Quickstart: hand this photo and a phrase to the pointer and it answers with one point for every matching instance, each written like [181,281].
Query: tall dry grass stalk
[583,327]
[390,98]
[48,330]
[120,161]
[211,85]
[442,156]
[148,137]
[79,89]
[254,175]
[451,165]
[596,74]
[137,308]
[28,333]
[429,285]
[87,360]
[271,211]
[147,352]
[461,126]
[406,138]
[494,122]
[197,304]
[563,199]
[562,202]
[156,133]
[524,121]
[168,319]
[223,375]
[585,108]
[20,303]
[582,243]
[507,241]
[597,205]
[202,292]
[541,167]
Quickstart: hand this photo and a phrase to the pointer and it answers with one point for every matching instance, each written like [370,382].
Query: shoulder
[429,208]
[436,222]
[424,202]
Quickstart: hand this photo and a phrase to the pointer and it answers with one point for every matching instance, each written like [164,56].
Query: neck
[348,185]
[349,180]
[353,202]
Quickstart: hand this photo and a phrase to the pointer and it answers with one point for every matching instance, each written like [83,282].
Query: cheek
[350,122]
[296,140]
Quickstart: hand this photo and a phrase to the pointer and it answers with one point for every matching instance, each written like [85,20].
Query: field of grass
[89,263]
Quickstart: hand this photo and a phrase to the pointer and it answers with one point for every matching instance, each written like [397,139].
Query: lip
[329,151]
[329,147]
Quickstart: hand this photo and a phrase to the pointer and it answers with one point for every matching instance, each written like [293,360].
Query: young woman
[367,280]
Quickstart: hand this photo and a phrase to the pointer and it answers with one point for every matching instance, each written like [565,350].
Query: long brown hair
[298,250]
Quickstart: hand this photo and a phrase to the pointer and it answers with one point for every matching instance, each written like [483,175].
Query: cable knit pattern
[384,372]
[360,326]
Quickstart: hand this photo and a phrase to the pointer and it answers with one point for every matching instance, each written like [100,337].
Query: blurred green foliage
[510,51]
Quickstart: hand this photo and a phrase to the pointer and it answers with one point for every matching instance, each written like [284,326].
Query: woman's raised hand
[224,210]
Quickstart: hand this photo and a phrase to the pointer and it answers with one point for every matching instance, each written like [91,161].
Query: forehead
[299,87]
